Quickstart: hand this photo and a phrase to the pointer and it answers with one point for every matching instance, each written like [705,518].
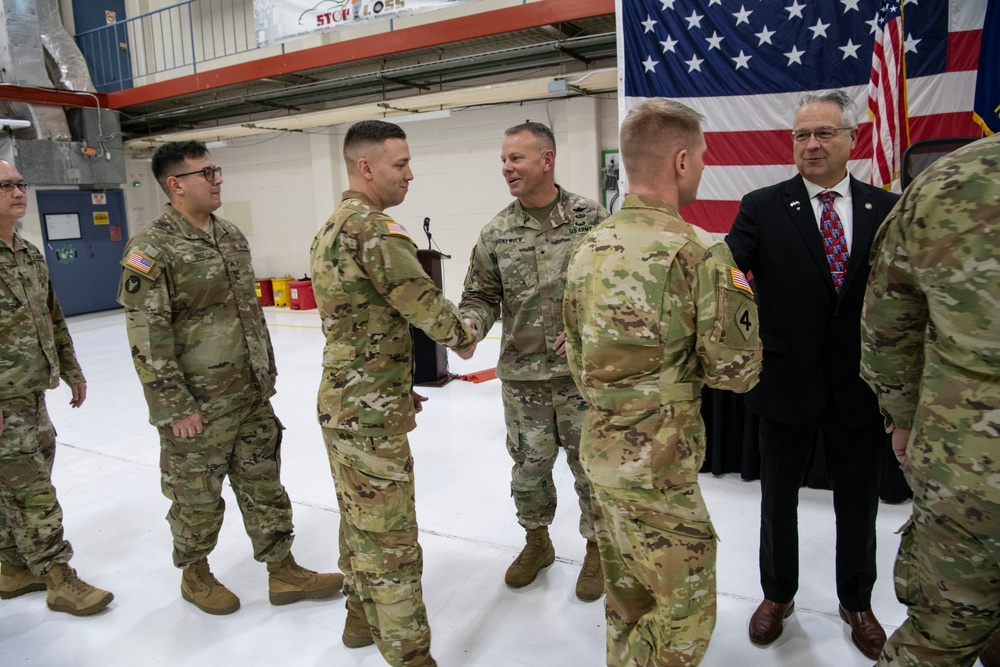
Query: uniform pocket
[374,504]
[684,561]
[904,572]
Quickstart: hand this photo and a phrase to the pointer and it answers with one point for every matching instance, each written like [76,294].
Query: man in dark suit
[807,241]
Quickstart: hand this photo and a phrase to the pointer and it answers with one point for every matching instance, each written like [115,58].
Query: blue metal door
[102,35]
[84,235]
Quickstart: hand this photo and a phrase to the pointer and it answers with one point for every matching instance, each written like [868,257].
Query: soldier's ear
[174,186]
[365,168]
[681,163]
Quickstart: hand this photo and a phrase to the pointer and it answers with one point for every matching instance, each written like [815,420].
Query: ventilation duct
[76,147]
[22,62]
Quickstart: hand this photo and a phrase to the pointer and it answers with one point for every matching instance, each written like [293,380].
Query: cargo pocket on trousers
[377,505]
[904,572]
[683,554]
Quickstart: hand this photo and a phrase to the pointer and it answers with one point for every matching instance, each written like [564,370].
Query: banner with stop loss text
[279,20]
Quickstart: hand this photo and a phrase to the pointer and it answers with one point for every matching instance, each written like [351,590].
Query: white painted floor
[107,476]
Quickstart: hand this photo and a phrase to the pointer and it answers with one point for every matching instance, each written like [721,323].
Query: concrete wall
[280,188]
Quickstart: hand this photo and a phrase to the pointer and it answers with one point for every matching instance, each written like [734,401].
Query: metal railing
[179,36]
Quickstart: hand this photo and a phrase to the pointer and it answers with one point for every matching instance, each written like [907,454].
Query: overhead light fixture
[14,123]
[425,106]
[420,115]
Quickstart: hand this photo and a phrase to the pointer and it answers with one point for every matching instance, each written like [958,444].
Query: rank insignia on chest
[132,284]
[140,262]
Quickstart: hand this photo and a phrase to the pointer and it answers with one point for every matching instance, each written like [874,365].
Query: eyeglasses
[7,186]
[821,134]
[208,172]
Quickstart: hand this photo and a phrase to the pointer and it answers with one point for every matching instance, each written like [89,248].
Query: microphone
[427,230]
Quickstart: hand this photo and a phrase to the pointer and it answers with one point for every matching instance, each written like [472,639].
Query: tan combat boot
[357,632]
[290,582]
[590,583]
[66,592]
[16,579]
[537,553]
[200,587]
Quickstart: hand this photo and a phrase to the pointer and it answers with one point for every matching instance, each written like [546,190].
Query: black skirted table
[731,433]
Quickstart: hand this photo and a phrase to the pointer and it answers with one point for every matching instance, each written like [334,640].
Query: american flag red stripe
[748,134]
[887,97]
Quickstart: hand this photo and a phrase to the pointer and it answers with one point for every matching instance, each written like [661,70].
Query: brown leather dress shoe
[866,633]
[990,657]
[767,622]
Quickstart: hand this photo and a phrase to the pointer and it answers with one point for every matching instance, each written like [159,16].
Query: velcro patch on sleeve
[395,228]
[740,280]
[140,262]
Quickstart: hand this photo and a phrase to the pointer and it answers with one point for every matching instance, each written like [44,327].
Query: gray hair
[848,108]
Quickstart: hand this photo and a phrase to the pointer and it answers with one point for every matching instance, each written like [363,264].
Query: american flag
[139,262]
[743,64]
[887,97]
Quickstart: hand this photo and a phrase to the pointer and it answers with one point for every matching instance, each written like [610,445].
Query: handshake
[467,351]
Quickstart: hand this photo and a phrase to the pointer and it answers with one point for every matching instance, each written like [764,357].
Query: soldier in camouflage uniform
[370,288]
[517,273]
[931,351]
[35,351]
[203,355]
[655,310]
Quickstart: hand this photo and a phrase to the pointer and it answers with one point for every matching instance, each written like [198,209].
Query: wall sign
[278,20]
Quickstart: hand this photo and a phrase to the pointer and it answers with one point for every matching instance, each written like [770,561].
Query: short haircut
[171,155]
[848,108]
[542,133]
[656,129]
[367,133]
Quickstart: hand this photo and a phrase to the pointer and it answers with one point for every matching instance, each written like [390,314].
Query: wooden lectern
[430,367]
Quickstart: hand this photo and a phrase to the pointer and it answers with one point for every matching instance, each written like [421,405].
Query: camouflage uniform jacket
[370,288]
[196,329]
[930,332]
[655,309]
[517,272]
[35,347]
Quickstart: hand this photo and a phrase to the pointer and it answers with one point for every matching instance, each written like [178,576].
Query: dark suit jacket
[811,335]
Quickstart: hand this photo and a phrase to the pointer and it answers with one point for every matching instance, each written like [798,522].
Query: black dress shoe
[767,622]
[866,633]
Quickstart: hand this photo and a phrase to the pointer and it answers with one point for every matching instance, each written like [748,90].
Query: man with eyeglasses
[35,352]
[203,354]
[806,241]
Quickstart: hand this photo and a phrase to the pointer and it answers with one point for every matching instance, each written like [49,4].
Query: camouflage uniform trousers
[31,530]
[379,555]
[947,573]
[540,416]
[244,444]
[658,552]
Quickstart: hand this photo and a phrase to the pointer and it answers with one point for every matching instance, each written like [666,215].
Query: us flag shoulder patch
[740,280]
[140,262]
[396,228]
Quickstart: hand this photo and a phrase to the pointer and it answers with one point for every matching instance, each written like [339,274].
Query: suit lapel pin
[795,204]
[868,206]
